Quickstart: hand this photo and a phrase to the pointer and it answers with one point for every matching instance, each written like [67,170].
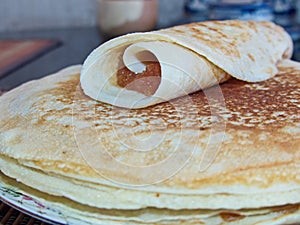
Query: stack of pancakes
[252,178]
[229,154]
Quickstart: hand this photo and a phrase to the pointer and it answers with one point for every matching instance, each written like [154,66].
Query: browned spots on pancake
[197,32]
[253,26]
[231,217]
[250,107]
[271,103]
[65,91]
[229,49]
[212,37]
[217,32]
[271,27]
[208,30]
[67,94]
[264,105]
[251,57]
[177,30]
[268,105]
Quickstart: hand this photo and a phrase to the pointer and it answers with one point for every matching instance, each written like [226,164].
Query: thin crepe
[192,57]
[75,213]
[254,178]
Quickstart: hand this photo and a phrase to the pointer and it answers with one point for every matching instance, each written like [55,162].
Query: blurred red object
[15,53]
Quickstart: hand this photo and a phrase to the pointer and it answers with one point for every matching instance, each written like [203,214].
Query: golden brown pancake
[205,158]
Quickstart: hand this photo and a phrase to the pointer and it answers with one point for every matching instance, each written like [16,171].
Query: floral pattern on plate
[30,205]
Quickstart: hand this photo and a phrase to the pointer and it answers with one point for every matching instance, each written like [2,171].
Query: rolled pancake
[190,57]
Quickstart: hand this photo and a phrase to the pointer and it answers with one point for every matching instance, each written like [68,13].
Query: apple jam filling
[146,82]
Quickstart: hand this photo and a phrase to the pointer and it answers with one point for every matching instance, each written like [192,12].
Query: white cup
[117,17]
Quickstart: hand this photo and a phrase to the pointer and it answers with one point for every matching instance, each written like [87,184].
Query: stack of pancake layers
[217,141]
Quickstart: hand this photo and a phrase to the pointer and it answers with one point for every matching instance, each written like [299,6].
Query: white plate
[30,205]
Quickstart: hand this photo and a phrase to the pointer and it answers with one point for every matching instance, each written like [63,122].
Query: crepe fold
[100,164]
[190,58]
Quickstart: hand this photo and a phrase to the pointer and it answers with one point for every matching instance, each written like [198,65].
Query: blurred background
[38,37]
[19,15]
[45,14]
